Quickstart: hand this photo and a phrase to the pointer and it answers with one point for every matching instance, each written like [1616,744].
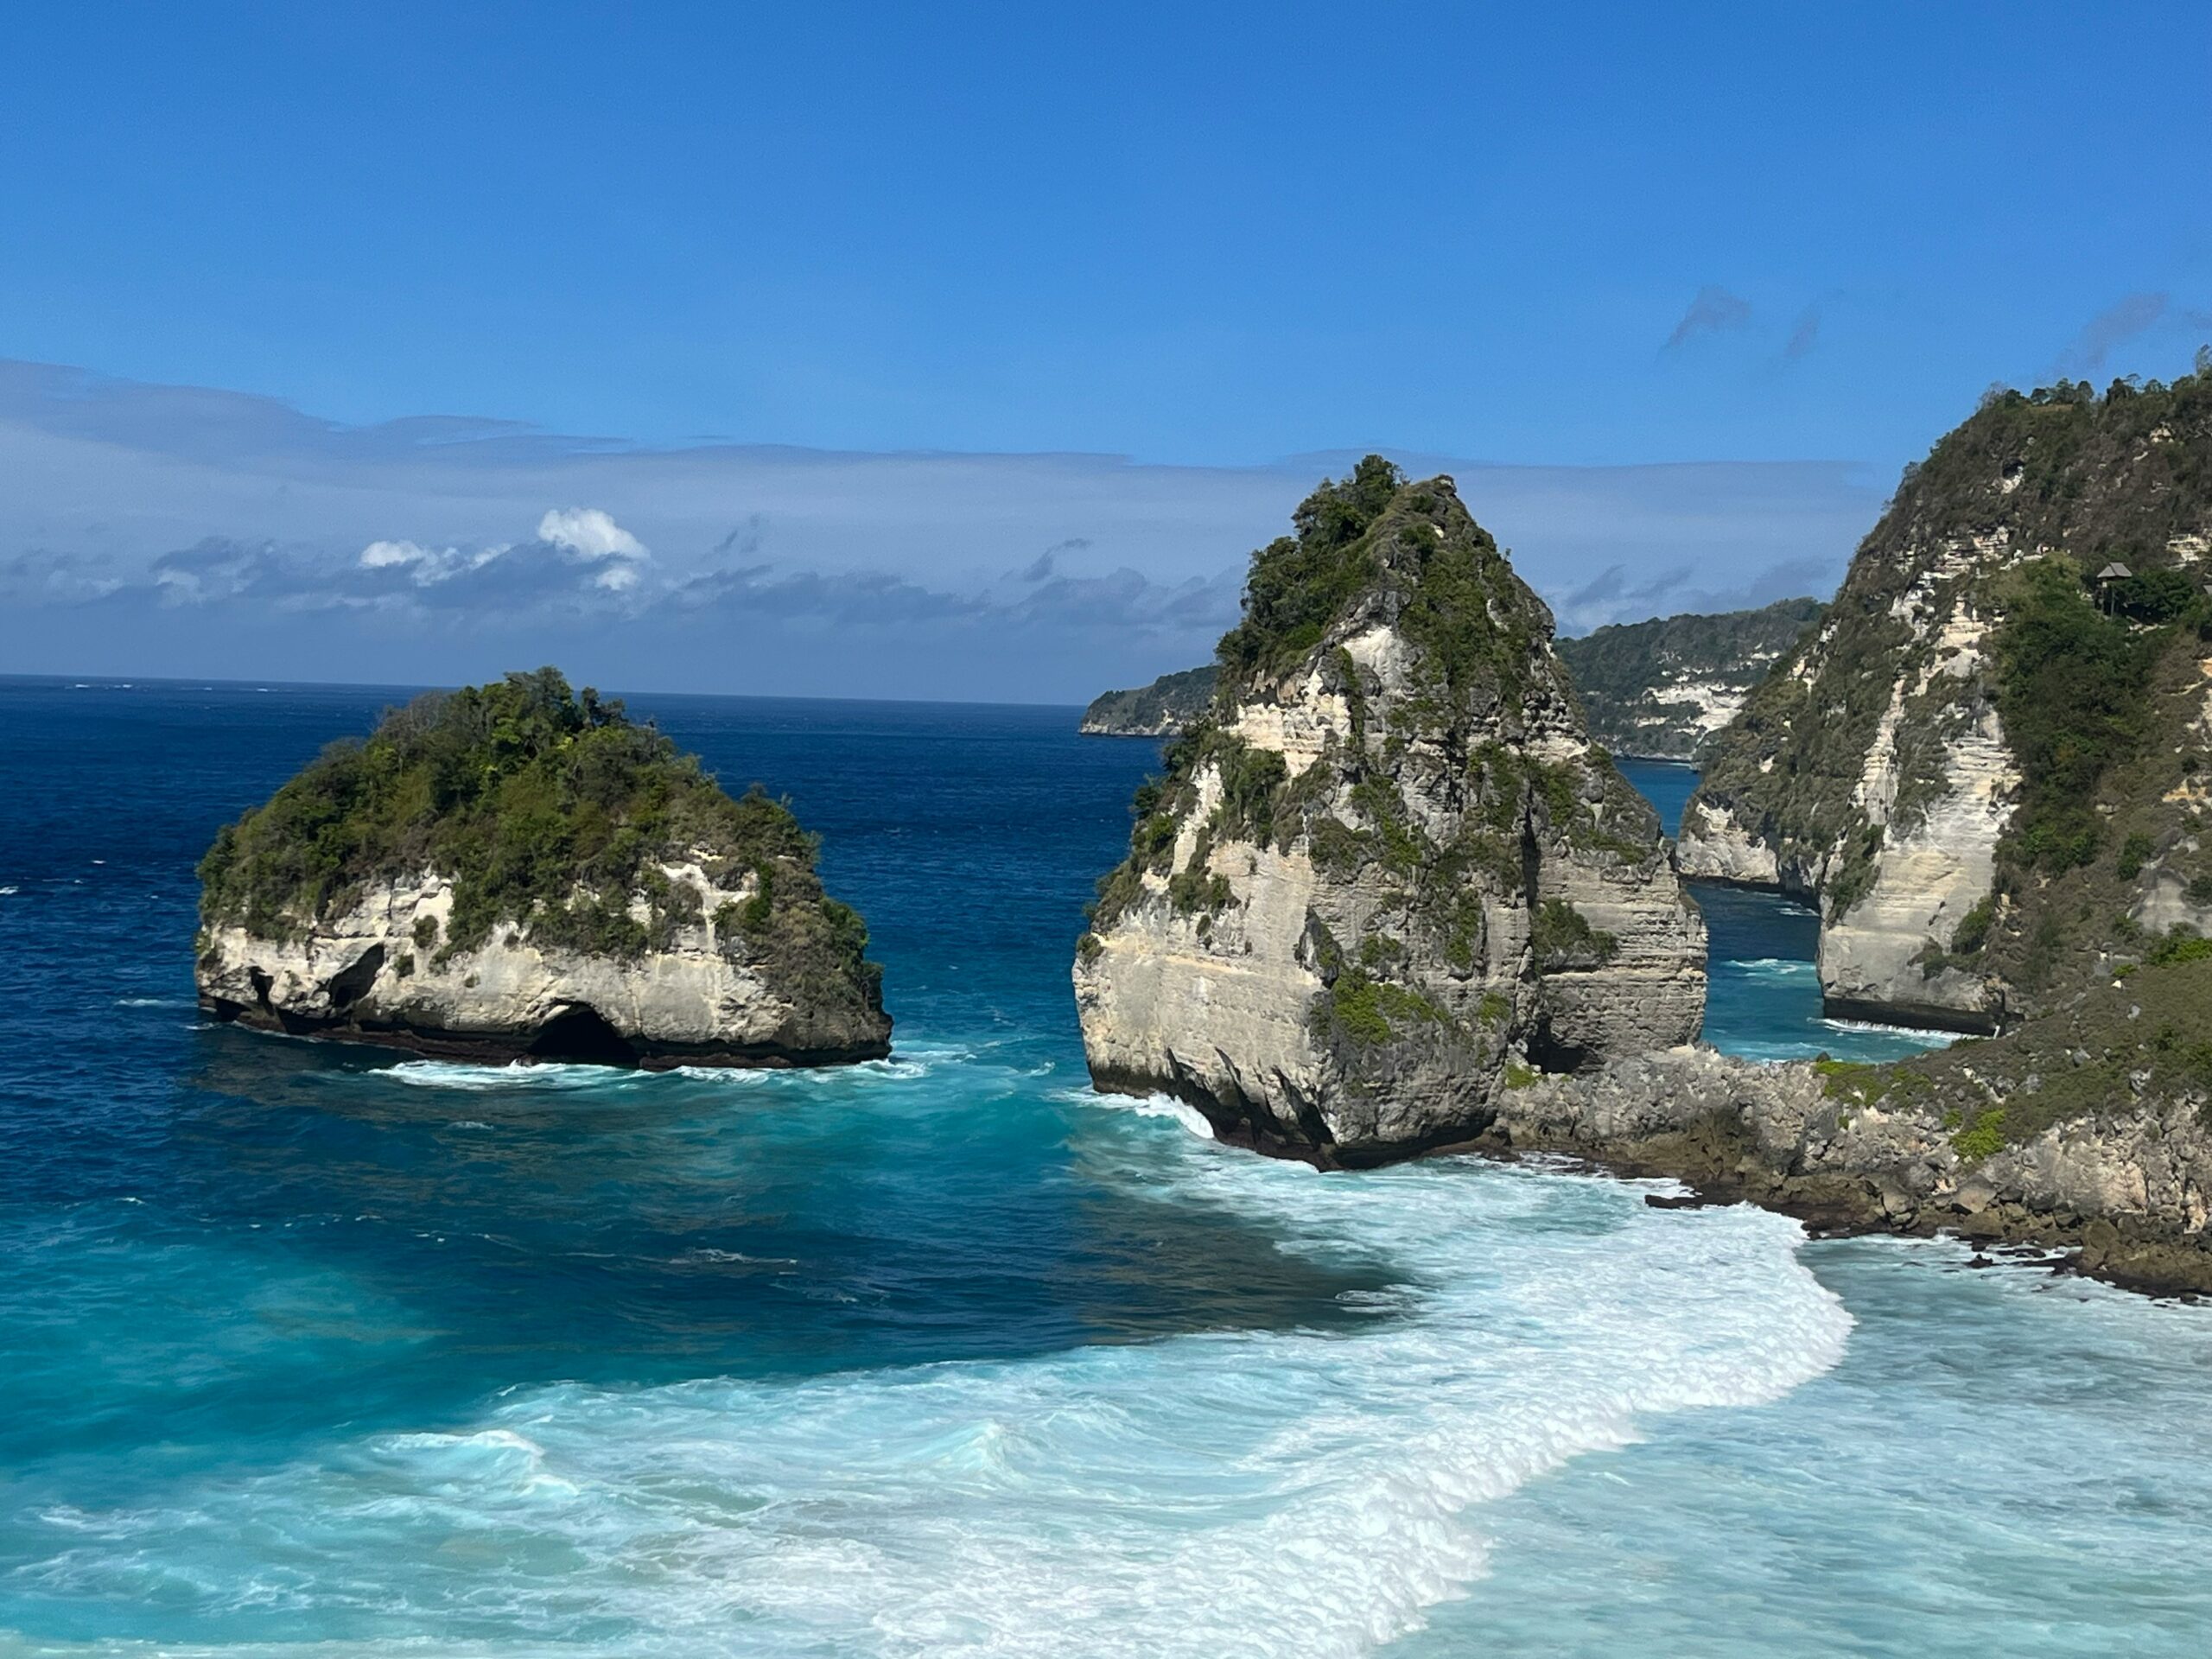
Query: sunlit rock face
[1389,870]
[1982,754]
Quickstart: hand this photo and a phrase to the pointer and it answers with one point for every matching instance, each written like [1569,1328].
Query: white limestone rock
[373,972]
[1394,868]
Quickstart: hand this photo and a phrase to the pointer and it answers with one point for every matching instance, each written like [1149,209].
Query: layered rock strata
[1390,870]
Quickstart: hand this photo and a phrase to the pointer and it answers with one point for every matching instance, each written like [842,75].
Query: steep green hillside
[1660,688]
[1988,761]
[1165,707]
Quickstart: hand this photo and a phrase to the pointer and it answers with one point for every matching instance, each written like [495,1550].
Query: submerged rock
[513,871]
[1390,869]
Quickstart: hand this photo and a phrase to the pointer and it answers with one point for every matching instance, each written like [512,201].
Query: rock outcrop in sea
[1389,872]
[1994,743]
[513,871]
[1657,690]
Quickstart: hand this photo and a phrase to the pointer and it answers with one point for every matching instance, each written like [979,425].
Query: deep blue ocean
[308,1350]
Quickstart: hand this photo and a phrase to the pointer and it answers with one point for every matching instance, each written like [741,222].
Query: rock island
[1387,872]
[515,871]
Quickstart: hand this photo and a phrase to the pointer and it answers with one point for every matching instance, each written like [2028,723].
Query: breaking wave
[1206,1495]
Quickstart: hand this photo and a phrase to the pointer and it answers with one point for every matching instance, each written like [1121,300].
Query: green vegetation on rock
[1373,1011]
[2119,1048]
[2071,690]
[549,812]
[1298,583]
[1633,677]
[1563,938]
[1170,704]
[2095,680]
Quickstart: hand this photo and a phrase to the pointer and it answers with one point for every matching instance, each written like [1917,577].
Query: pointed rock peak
[1376,551]
[1388,873]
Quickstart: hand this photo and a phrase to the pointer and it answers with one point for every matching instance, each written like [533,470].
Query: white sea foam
[516,1074]
[903,1065]
[8,892]
[707,1255]
[142,1002]
[1230,1494]
[1919,1034]
[1771,967]
[1145,1106]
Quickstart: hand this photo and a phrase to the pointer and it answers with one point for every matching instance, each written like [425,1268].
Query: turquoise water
[313,1351]
[1763,999]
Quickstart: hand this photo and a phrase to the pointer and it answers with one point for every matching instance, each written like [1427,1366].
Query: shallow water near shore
[313,1349]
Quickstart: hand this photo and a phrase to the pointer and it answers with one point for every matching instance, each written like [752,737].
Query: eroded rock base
[577,1037]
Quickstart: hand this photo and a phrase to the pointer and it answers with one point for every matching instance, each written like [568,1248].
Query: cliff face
[1951,764]
[1391,867]
[510,873]
[1659,688]
[1168,706]
[703,995]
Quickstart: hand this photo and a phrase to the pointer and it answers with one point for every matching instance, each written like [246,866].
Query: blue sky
[1209,248]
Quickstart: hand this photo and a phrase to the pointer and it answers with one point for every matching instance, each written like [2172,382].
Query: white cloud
[589,534]
[382,556]
[427,565]
[868,574]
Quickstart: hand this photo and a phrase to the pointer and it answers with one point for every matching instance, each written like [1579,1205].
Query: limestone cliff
[1659,688]
[1953,763]
[1390,869]
[511,871]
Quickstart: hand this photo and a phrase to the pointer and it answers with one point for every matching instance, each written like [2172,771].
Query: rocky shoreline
[2123,1194]
[2125,1188]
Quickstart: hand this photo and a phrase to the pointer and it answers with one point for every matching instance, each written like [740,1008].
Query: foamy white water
[311,1353]
[1225,1494]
